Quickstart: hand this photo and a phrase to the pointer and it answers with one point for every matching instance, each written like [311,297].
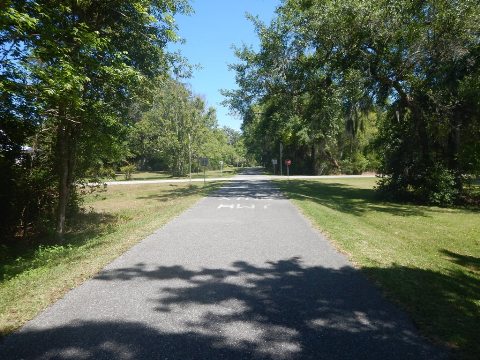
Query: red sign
[288,162]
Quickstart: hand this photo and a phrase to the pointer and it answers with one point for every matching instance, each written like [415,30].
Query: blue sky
[210,33]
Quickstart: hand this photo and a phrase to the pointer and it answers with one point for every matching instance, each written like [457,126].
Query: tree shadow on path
[278,310]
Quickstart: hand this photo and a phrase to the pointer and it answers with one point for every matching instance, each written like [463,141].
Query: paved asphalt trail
[241,275]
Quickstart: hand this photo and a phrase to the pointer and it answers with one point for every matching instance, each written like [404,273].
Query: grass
[164,175]
[114,221]
[425,258]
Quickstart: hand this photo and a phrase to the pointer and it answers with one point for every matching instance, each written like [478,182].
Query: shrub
[354,166]
[439,186]
[435,185]
[128,170]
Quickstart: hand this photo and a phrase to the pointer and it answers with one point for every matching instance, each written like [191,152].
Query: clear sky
[210,33]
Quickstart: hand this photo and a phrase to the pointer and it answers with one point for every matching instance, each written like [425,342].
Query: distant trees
[237,152]
[355,84]
[177,130]
[69,72]
[289,95]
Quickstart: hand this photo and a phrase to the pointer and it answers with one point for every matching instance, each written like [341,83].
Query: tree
[324,67]
[177,129]
[235,151]
[75,67]
[290,91]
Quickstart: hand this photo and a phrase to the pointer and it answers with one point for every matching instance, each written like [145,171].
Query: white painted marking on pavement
[245,206]
[231,206]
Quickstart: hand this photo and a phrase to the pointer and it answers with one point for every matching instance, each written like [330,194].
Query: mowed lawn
[113,221]
[164,175]
[425,258]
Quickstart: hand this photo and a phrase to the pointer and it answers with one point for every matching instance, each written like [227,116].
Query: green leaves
[74,69]
[179,128]
[324,67]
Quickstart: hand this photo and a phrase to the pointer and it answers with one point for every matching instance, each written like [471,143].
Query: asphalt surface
[241,275]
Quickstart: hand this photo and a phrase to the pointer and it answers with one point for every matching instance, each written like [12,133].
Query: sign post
[221,167]
[288,162]
[274,163]
[204,163]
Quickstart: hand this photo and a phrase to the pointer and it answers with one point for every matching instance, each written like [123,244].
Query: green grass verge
[425,258]
[113,222]
[164,175]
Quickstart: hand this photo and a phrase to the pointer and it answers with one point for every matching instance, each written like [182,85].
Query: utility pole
[190,156]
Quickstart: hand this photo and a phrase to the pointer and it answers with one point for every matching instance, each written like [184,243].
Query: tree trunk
[63,189]
[66,162]
[332,160]
[422,134]
[453,148]
[315,160]
[327,155]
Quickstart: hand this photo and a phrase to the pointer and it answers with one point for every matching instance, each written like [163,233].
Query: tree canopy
[178,129]
[86,87]
[339,86]
[404,74]
[70,71]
